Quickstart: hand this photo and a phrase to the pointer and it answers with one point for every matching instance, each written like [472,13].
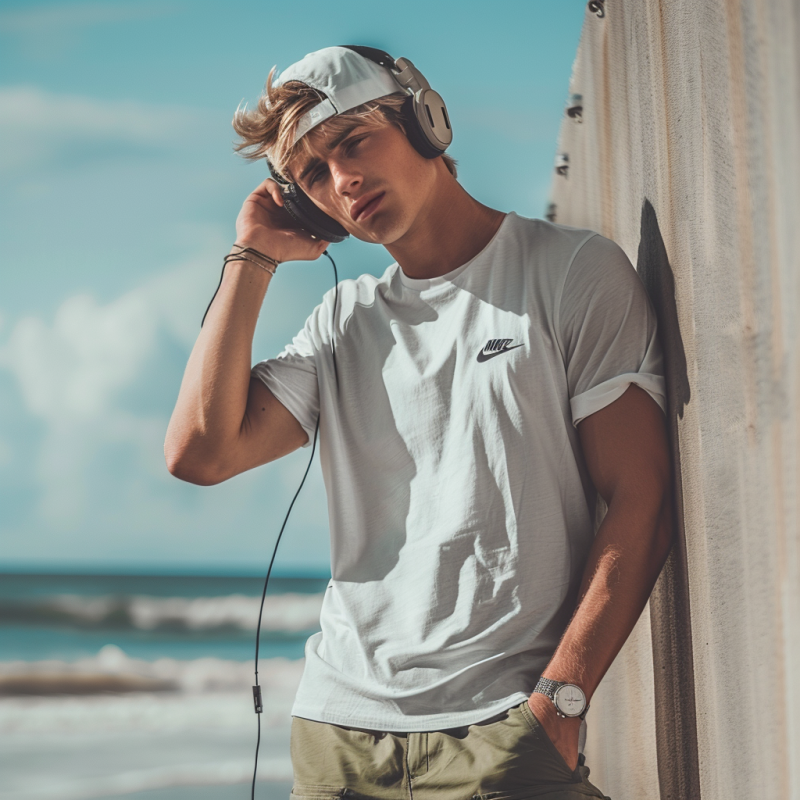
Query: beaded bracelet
[241,257]
[256,253]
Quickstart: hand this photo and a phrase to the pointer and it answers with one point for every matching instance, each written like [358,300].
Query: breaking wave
[112,671]
[290,612]
[196,729]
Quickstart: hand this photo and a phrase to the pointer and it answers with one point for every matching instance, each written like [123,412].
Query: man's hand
[563,733]
[225,422]
[266,226]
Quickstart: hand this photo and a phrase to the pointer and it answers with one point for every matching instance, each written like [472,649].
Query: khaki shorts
[509,757]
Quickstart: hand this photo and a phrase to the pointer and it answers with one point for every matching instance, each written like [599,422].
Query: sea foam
[202,731]
[111,670]
[283,612]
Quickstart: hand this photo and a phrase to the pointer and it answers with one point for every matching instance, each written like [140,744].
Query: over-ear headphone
[427,125]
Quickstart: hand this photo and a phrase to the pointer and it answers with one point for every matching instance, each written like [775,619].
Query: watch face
[570,700]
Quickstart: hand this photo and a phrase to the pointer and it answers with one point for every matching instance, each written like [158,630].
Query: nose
[346,178]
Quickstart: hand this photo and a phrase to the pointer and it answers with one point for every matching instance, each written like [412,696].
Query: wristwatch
[569,699]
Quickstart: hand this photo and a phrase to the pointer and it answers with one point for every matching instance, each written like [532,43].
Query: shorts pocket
[516,759]
[310,791]
[544,739]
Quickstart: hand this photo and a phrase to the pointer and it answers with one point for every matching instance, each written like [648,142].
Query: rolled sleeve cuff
[605,393]
[292,398]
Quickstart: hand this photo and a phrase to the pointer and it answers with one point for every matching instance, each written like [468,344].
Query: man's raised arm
[224,422]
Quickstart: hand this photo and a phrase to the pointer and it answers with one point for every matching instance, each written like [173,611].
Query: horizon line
[167,571]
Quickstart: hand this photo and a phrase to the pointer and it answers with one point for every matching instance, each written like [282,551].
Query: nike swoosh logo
[483,356]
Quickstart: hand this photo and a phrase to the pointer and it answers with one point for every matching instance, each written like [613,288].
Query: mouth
[364,211]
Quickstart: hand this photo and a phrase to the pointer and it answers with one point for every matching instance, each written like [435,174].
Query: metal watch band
[549,688]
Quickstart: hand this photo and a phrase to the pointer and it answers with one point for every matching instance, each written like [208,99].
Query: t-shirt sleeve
[292,376]
[608,330]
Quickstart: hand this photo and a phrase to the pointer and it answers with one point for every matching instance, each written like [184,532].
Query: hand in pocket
[563,733]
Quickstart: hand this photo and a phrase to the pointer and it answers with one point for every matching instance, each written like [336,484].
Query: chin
[387,228]
[378,234]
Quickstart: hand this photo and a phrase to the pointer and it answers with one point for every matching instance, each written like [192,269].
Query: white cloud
[71,372]
[36,125]
[70,369]
[95,464]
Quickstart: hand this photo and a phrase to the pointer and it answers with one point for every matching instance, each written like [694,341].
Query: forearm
[626,558]
[209,413]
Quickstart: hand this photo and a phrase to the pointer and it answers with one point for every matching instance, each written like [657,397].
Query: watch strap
[549,688]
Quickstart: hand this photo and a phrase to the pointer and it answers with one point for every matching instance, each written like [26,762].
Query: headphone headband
[380,57]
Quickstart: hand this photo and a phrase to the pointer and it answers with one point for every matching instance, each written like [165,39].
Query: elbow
[190,468]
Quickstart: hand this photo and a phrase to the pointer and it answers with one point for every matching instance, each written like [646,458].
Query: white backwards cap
[347,79]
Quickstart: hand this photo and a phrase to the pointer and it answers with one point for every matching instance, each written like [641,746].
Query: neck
[451,228]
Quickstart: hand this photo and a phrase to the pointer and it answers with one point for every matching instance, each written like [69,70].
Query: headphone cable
[257,698]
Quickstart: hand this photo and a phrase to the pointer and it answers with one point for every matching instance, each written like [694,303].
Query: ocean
[138,687]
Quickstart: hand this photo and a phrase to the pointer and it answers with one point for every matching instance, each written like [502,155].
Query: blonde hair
[268,130]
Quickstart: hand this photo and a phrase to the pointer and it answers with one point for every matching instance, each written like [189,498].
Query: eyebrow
[332,145]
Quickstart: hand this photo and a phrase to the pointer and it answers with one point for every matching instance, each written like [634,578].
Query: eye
[353,142]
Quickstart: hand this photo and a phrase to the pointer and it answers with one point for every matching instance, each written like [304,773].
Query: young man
[496,377]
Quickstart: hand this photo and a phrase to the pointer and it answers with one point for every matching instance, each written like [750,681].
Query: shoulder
[601,279]
[551,238]
[547,253]
[352,292]
[601,263]
[553,248]
[361,289]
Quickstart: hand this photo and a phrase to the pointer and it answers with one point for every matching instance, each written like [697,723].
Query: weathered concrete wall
[688,155]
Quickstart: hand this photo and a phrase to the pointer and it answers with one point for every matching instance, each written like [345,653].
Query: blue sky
[120,190]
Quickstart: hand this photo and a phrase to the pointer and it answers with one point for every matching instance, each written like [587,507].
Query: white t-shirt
[461,510]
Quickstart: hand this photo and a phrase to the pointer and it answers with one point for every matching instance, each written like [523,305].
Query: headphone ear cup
[309,217]
[433,118]
[303,211]
[415,133]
